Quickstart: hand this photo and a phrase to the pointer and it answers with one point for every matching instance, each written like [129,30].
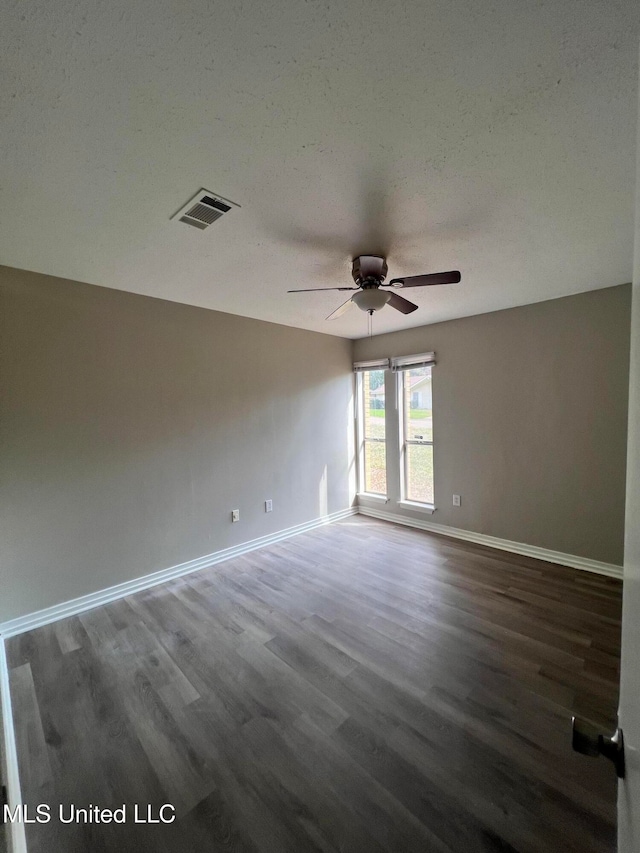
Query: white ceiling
[498,139]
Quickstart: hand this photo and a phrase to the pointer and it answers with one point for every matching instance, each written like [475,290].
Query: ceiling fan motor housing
[369,270]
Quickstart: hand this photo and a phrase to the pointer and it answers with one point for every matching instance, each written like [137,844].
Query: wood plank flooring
[362,687]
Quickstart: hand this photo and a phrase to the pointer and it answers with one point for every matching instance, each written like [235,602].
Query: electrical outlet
[268,506]
[235,515]
[456,500]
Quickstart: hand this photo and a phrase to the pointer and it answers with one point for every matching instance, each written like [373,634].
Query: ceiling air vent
[203,209]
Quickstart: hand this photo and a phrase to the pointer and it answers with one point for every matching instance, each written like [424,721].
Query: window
[395,441]
[373,432]
[371,414]
[416,434]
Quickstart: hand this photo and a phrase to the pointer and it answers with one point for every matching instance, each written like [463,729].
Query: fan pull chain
[370,324]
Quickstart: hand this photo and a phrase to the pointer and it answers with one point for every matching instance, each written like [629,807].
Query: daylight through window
[395,430]
[414,388]
[373,432]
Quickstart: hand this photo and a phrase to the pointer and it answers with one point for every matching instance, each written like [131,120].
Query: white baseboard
[522,548]
[104,596]
[15,831]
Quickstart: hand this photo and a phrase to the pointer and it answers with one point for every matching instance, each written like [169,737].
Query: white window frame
[394,440]
[362,439]
[402,450]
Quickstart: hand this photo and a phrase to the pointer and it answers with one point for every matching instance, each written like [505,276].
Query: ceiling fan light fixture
[369,273]
[371,299]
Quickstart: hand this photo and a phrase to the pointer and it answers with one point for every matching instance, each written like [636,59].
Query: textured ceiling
[495,138]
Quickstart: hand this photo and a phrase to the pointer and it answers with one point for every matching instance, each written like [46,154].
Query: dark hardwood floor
[362,687]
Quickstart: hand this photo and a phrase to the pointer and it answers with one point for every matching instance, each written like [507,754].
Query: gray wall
[530,421]
[132,426]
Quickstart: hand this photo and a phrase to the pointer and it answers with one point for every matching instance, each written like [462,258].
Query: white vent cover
[204,208]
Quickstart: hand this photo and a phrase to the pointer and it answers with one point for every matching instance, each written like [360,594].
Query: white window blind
[375,364]
[410,362]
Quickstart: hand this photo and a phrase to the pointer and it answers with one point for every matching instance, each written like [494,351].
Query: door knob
[587,740]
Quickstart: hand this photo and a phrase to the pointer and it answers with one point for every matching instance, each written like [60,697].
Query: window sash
[365,441]
[365,450]
[405,491]
[404,411]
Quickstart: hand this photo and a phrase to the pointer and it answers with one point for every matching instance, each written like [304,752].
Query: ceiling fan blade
[451,277]
[312,289]
[400,303]
[341,310]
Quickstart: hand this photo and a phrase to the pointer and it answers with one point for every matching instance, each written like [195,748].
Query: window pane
[418,420]
[373,400]
[419,472]
[375,467]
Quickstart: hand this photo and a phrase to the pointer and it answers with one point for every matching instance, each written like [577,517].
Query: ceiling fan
[369,273]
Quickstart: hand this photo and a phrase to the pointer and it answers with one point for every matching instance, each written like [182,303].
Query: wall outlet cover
[456,500]
[235,515]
